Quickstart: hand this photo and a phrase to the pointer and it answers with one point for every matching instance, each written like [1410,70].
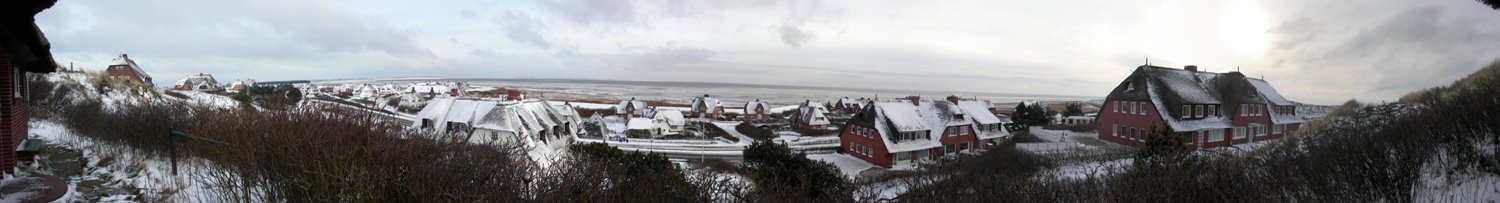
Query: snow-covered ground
[850,166]
[132,169]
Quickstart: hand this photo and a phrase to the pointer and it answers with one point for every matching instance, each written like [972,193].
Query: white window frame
[1198,111]
[1117,106]
[1115,131]
[1186,111]
[1143,108]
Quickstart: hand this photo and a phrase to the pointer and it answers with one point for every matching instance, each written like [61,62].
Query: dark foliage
[754,132]
[781,175]
[1073,109]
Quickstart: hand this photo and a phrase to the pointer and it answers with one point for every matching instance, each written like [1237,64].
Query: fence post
[172,146]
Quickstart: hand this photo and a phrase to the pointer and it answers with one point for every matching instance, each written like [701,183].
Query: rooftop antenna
[1148,61]
[1237,69]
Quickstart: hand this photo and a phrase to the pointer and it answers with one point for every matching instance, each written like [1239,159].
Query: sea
[729,93]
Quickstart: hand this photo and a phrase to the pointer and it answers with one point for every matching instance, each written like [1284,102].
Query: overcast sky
[1317,51]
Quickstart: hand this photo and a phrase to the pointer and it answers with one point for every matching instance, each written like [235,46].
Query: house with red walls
[24,50]
[706,107]
[810,117]
[756,111]
[1209,109]
[909,130]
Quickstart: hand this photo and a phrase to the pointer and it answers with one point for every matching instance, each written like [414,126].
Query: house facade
[848,105]
[706,107]
[125,68]
[1208,109]
[631,108]
[757,111]
[23,50]
[909,130]
[810,117]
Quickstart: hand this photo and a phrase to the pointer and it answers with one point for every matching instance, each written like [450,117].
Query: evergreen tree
[777,171]
[1162,148]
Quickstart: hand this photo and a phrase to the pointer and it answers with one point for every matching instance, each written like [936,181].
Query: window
[1131,105]
[1215,135]
[1186,110]
[1114,131]
[1142,108]
[1262,131]
[1214,109]
[1239,132]
[962,130]
[17,78]
[1198,111]
[963,146]
[949,149]
[1116,106]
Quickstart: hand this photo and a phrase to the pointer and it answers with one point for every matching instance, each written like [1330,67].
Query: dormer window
[1187,111]
[1198,111]
[1129,86]
[958,116]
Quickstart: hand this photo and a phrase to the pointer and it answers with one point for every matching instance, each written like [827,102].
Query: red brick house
[23,49]
[1210,109]
[124,68]
[810,117]
[631,108]
[706,107]
[848,106]
[903,131]
[757,111]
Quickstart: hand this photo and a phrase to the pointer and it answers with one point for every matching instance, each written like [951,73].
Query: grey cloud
[1415,48]
[272,28]
[793,36]
[588,12]
[524,29]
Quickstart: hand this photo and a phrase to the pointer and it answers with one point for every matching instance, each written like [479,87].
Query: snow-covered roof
[705,104]
[902,115]
[750,106]
[846,101]
[525,118]
[1270,93]
[1181,125]
[979,111]
[931,117]
[124,60]
[672,117]
[638,124]
[813,114]
[639,106]
[1189,87]
[197,79]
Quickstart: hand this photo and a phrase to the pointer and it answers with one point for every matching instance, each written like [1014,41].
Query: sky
[1313,51]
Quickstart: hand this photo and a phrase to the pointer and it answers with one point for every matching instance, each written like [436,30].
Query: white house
[485,121]
[200,82]
[670,122]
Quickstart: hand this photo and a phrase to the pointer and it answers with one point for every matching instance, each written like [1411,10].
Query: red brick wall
[1108,119]
[878,153]
[958,140]
[125,72]
[13,119]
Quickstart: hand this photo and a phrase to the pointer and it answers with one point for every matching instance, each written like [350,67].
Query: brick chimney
[953,98]
[915,100]
[1191,68]
[515,95]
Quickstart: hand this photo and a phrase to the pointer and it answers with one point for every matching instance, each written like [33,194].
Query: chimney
[1191,68]
[123,55]
[953,98]
[514,95]
[915,100]
[705,95]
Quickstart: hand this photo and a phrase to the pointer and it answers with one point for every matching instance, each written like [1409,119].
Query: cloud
[793,36]
[271,28]
[523,28]
[589,12]
[1394,50]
